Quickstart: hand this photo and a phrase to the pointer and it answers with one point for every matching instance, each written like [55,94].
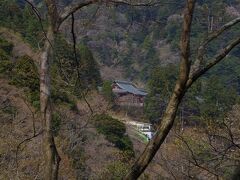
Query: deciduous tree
[189,72]
[55,18]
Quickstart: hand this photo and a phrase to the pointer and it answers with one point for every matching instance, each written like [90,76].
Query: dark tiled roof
[130,87]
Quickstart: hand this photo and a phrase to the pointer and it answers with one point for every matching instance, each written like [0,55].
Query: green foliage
[114,131]
[10,14]
[160,86]
[162,80]
[5,63]
[173,30]
[56,123]
[200,148]
[25,75]
[147,43]
[77,154]
[217,99]
[78,161]
[11,110]
[107,91]
[32,27]
[7,112]
[236,174]
[115,171]
[3,55]
[82,73]
[21,20]
[6,46]
[5,51]
[212,96]
[88,63]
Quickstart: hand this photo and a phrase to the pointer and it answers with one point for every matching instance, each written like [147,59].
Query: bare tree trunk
[169,116]
[188,74]
[51,156]
[211,29]
[162,131]
[55,19]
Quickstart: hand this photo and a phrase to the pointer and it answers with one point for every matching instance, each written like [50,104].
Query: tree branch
[38,15]
[201,49]
[149,3]
[166,124]
[185,44]
[217,33]
[72,8]
[219,57]
[193,156]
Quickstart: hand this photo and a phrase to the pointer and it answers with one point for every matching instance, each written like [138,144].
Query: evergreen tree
[89,67]
[160,85]
[32,27]
[107,91]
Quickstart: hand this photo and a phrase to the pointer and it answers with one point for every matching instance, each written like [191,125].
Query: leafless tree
[211,151]
[188,73]
[55,18]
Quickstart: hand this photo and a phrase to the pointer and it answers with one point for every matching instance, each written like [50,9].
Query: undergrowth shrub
[56,123]
[25,75]
[6,46]
[5,51]
[114,131]
[115,171]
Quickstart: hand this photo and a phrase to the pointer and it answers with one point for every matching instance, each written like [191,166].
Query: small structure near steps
[143,128]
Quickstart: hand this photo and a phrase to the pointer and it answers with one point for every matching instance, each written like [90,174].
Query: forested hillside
[139,38]
[136,38]
[61,119]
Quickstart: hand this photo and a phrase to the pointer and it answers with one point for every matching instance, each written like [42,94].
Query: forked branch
[167,121]
[201,49]
[72,8]
[218,58]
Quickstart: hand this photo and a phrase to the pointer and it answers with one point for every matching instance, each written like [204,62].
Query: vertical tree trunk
[170,113]
[51,156]
[161,133]
[212,24]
